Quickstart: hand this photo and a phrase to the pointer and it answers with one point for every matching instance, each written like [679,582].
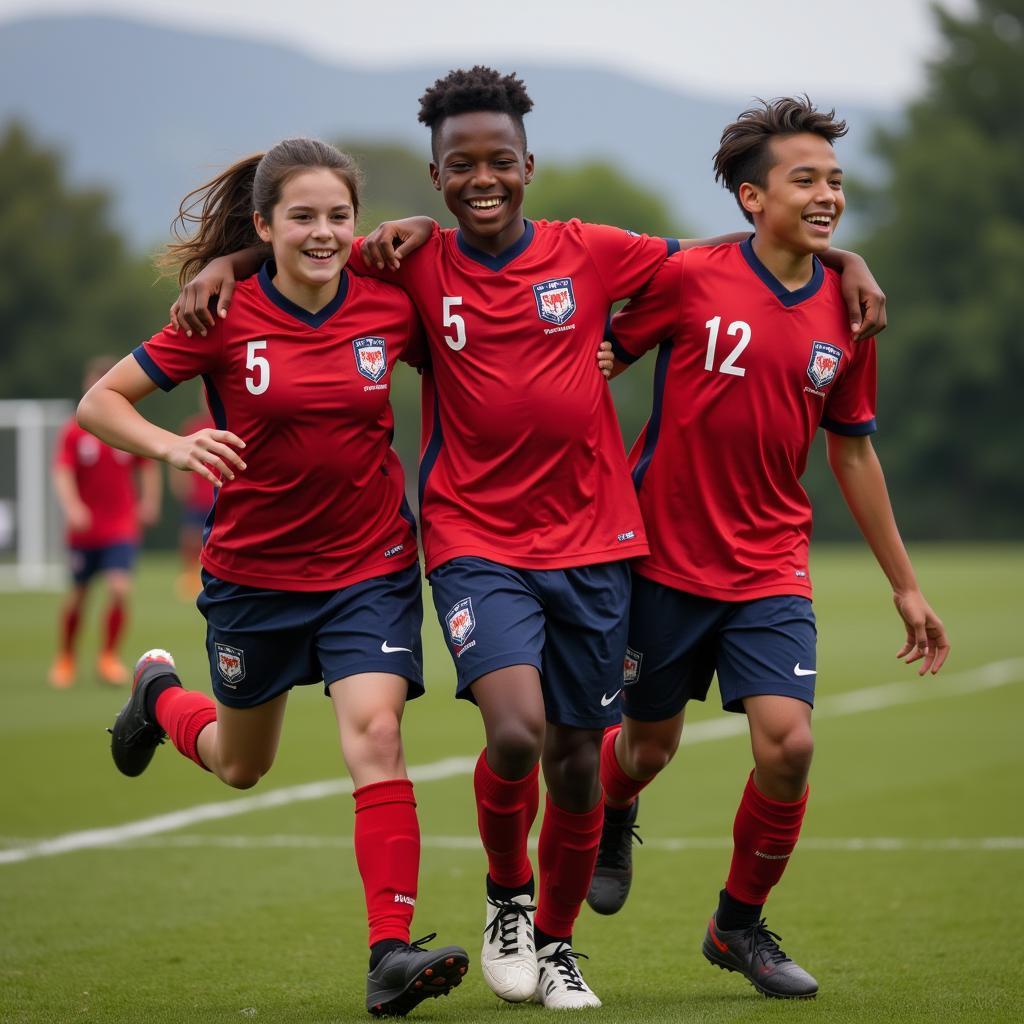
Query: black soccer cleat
[613,873]
[754,952]
[134,738]
[410,974]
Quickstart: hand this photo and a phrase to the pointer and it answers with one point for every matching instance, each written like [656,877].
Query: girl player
[311,564]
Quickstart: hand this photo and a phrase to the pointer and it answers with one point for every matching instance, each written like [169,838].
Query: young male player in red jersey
[755,353]
[527,510]
[325,587]
[105,495]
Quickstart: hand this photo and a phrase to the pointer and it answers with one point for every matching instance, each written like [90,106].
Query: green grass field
[905,898]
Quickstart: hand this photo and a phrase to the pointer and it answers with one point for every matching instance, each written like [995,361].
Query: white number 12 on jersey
[737,327]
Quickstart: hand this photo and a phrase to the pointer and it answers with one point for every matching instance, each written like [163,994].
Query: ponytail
[216,218]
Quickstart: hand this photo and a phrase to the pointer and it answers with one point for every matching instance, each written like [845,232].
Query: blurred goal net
[32,555]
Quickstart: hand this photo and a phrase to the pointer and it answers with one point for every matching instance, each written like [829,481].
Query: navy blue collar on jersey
[503,258]
[781,292]
[318,319]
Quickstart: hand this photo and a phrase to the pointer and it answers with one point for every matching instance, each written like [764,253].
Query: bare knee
[381,734]
[787,758]
[240,775]
[514,746]
[644,757]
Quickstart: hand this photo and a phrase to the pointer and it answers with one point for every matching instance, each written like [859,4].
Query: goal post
[32,554]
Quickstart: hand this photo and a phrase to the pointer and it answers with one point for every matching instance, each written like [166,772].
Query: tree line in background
[944,235]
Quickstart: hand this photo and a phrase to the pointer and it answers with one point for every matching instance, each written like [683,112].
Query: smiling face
[799,205]
[482,171]
[310,230]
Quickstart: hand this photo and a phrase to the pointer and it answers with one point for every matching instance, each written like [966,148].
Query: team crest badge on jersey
[230,664]
[461,621]
[371,357]
[555,300]
[631,666]
[825,359]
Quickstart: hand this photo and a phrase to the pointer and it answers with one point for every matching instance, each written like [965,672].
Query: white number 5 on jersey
[258,383]
[451,319]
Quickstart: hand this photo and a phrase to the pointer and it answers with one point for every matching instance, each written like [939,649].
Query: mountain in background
[150,112]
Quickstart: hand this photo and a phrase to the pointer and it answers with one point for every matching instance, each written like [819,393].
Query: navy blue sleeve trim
[618,351]
[155,374]
[850,429]
[673,245]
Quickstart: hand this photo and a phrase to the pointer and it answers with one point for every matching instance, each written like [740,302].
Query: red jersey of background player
[105,478]
[200,492]
[746,373]
[522,459]
[322,502]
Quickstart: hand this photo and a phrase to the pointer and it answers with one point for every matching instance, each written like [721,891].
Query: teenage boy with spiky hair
[758,355]
[528,513]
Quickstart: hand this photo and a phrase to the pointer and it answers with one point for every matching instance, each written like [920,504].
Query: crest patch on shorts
[461,621]
[631,666]
[230,664]
[371,357]
[555,300]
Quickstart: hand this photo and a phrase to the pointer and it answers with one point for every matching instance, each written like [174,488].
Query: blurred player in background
[196,495]
[106,496]
[755,353]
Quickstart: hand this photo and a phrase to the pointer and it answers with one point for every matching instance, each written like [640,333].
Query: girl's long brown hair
[215,219]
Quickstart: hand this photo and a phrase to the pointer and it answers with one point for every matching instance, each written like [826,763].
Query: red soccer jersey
[522,459]
[322,502]
[746,373]
[200,493]
[105,478]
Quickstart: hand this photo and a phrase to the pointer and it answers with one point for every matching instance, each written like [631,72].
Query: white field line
[872,698]
[874,844]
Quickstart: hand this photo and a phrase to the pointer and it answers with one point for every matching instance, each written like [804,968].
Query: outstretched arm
[865,301]
[108,411]
[191,309]
[390,241]
[859,474]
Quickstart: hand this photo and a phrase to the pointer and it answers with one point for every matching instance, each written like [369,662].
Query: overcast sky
[871,50]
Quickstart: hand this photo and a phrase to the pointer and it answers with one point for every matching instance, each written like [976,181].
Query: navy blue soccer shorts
[87,562]
[569,624]
[678,641]
[261,643]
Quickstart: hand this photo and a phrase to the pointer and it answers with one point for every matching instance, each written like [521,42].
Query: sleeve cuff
[850,429]
[155,374]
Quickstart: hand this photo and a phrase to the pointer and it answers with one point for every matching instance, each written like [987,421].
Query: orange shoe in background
[111,670]
[62,672]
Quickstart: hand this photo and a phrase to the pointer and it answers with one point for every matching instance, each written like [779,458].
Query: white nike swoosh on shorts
[606,700]
[387,649]
[798,671]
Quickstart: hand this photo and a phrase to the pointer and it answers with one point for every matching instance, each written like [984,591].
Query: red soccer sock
[70,620]
[387,842]
[764,835]
[183,714]
[567,855]
[620,789]
[505,810]
[116,617]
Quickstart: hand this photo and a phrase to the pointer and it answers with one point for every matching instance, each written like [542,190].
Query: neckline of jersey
[505,257]
[779,290]
[318,319]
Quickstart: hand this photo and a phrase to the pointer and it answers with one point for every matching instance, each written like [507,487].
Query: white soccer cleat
[560,985]
[508,959]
